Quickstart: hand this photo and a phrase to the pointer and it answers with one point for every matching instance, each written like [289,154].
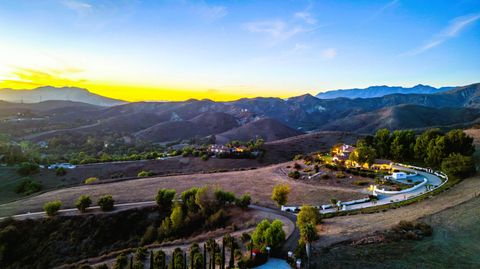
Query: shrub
[217,219]
[26,169]
[141,254]
[51,208]
[280,194]
[121,261]
[145,174]
[91,180]
[28,186]
[244,201]
[294,174]
[60,171]
[106,202]
[83,203]
[361,182]
[325,176]
[164,198]
[340,175]
[297,166]
[204,157]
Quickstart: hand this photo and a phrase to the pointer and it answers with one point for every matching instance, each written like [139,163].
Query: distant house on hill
[342,152]
[219,149]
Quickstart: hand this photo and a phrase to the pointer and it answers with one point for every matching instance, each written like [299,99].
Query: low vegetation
[106,203]
[51,208]
[280,194]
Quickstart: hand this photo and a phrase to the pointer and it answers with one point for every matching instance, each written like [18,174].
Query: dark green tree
[458,166]
[164,199]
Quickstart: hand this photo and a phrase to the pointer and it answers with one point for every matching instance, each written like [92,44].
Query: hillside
[268,129]
[51,93]
[404,117]
[379,91]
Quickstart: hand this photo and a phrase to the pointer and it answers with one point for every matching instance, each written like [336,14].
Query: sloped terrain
[268,129]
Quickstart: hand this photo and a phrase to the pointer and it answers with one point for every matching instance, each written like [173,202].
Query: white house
[399,175]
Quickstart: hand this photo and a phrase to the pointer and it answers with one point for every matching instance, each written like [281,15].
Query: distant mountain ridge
[379,91]
[270,118]
[49,93]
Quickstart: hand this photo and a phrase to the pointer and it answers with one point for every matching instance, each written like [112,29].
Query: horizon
[223,51]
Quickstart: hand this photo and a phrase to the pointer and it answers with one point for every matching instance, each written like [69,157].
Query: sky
[224,50]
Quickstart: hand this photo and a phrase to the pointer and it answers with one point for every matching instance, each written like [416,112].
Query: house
[381,164]
[342,153]
[399,175]
[219,149]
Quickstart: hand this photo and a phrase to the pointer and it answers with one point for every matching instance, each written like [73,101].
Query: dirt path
[339,229]
[259,183]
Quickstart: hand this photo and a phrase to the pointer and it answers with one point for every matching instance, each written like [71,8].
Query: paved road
[384,199]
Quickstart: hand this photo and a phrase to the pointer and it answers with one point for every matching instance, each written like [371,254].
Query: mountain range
[379,91]
[269,118]
[52,93]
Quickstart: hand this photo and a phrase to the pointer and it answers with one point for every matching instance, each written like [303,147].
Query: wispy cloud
[81,8]
[388,6]
[451,31]
[282,29]
[307,17]
[329,53]
[278,30]
[206,11]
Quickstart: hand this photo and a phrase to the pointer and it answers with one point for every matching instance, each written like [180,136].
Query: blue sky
[173,50]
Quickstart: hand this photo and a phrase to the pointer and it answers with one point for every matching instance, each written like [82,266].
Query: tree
[436,151]
[177,217]
[363,154]
[308,214]
[159,260]
[224,197]
[164,198]
[421,143]
[188,199]
[244,201]
[51,208]
[382,141]
[206,200]
[280,194]
[402,145]
[27,168]
[121,261]
[458,142]
[458,166]
[83,203]
[106,202]
[268,234]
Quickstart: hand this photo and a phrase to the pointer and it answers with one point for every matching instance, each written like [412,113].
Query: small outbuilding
[399,175]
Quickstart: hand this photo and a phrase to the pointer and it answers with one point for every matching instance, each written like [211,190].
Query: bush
[26,169]
[361,182]
[280,194]
[51,208]
[145,174]
[83,203]
[340,175]
[244,201]
[60,171]
[204,157]
[297,166]
[106,202]
[91,180]
[28,186]
[294,174]
[325,176]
